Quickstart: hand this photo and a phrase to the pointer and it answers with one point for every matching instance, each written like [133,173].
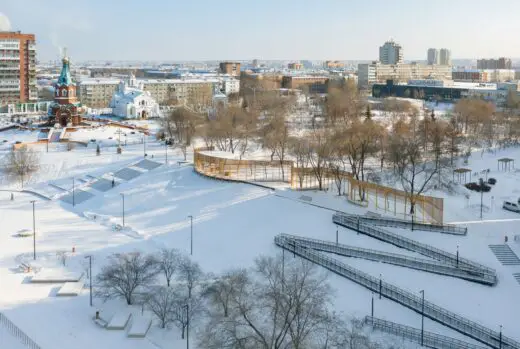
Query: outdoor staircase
[504,254]
[517,277]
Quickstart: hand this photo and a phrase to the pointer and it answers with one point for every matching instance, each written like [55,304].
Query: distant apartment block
[390,53]
[500,63]
[311,83]
[484,75]
[433,56]
[376,72]
[230,68]
[17,68]
[444,56]
[97,93]
[333,65]
[295,66]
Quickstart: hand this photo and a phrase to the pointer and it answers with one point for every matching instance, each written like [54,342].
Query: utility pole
[34,230]
[191,234]
[422,319]
[90,276]
[123,197]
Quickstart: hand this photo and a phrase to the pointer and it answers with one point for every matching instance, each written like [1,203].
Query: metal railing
[430,339]
[402,223]
[17,332]
[395,239]
[447,318]
[431,266]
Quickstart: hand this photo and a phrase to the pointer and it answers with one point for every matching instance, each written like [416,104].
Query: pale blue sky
[267,29]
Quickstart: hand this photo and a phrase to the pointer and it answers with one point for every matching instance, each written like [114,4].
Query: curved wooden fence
[392,201]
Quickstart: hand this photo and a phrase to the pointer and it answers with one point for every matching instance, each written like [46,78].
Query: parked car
[492,181]
[472,186]
[511,206]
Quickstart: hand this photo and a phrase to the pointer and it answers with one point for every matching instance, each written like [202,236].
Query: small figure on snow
[113,182]
[12,196]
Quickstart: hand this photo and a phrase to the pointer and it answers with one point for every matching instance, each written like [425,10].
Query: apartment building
[17,68]
[314,84]
[376,72]
[484,75]
[231,68]
[444,56]
[500,63]
[97,93]
[333,65]
[295,66]
[433,56]
[391,53]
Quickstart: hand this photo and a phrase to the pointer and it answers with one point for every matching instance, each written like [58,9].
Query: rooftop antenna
[65,52]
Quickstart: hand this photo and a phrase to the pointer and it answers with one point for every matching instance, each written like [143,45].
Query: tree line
[278,303]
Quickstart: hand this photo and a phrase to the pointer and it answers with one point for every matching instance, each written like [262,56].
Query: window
[64,93]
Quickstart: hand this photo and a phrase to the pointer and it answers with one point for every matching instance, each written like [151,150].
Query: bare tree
[414,171]
[162,301]
[167,263]
[189,273]
[21,162]
[62,256]
[124,275]
[180,125]
[221,291]
[318,153]
[298,148]
[276,306]
[186,309]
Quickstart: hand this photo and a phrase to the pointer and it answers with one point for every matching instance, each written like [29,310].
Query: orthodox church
[131,101]
[66,109]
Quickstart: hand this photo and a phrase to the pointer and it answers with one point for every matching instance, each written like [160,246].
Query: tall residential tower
[391,53]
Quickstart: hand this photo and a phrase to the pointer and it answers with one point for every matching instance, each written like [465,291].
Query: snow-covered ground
[233,223]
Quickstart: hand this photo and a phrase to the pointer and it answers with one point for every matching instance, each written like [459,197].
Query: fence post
[380,285]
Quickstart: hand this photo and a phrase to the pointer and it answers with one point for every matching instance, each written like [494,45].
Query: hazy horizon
[204,30]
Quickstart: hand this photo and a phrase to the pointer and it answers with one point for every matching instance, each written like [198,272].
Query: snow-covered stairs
[517,277]
[504,254]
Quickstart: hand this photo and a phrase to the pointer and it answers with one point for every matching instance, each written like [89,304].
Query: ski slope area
[232,224]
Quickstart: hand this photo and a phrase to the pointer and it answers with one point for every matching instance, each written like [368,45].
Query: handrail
[408,299]
[17,332]
[409,244]
[430,339]
[403,223]
[427,265]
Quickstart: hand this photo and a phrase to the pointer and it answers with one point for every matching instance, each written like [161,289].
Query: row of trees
[344,136]
[278,303]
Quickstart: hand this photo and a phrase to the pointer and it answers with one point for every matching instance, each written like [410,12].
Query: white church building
[130,101]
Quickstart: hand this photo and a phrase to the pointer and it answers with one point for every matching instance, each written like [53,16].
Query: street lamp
[187,306]
[422,319]
[144,144]
[500,338]
[123,197]
[90,276]
[191,234]
[34,231]
[457,256]
[481,183]
[166,151]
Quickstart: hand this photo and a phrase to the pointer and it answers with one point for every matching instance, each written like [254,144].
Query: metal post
[457,256]
[500,338]
[380,285]
[481,199]
[166,151]
[34,231]
[372,313]
[187,326]
[144,145]
[336,236]
[123,197]
[73,193]
[422,319]
[412,221]
[191,234]
[90,276]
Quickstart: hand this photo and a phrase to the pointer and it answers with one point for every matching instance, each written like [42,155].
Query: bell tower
[66,107]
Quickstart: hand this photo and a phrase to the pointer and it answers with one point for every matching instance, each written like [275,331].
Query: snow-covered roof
[99,82]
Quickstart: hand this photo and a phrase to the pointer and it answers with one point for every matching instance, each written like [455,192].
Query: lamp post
[73,194]
[123,198]
[500,338]
[337,236]
[457,256]
[166,151]
[191,234]
[34,231]
[422,319]
[144,144]
[481,182]
[187,306]
[90,276]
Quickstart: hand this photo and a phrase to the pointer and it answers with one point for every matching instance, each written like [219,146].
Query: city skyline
[207,30]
